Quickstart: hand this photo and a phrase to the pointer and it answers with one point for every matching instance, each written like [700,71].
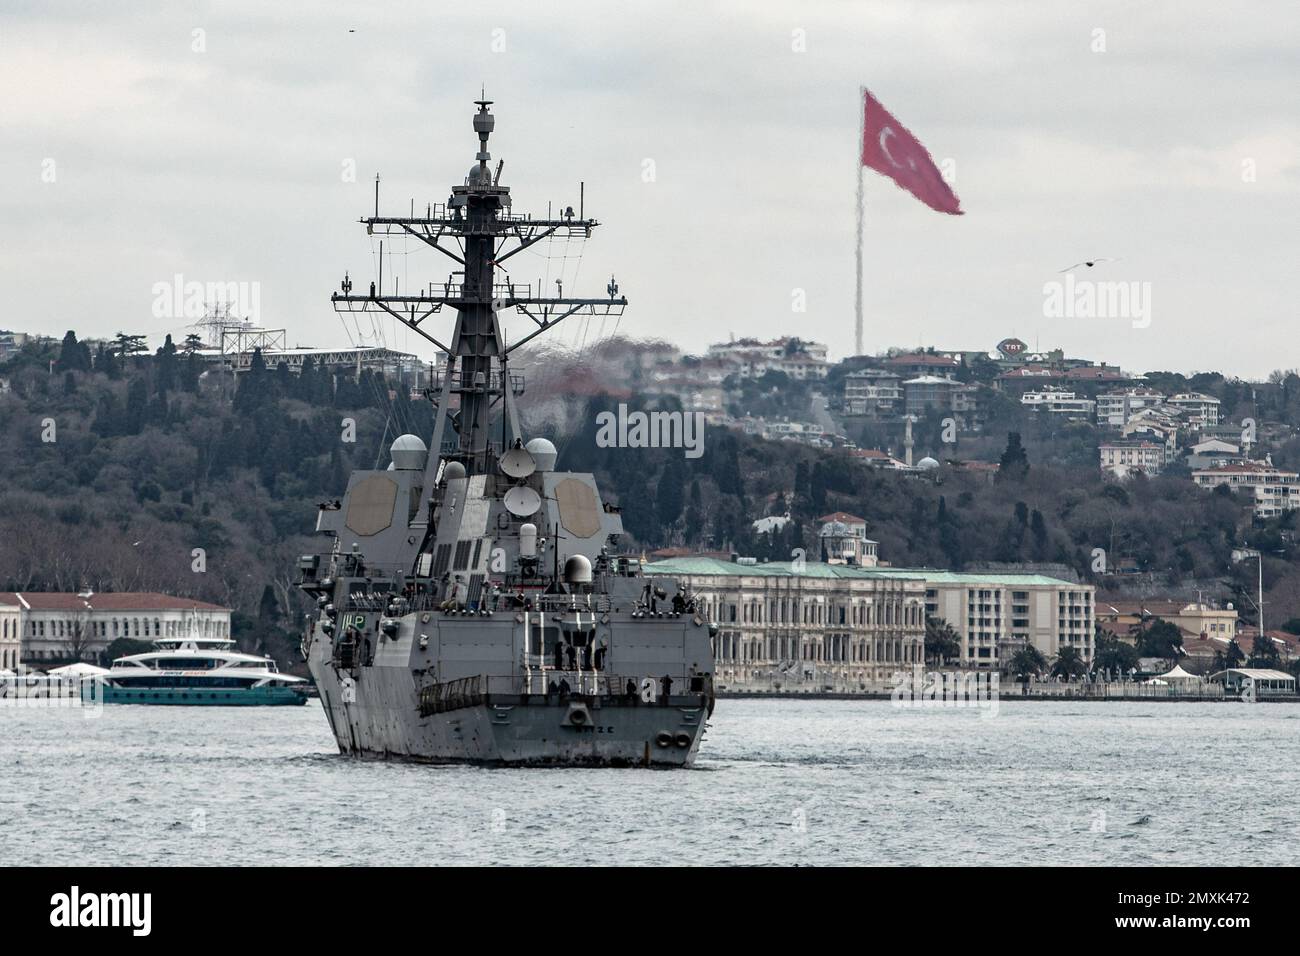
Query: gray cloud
[225,165]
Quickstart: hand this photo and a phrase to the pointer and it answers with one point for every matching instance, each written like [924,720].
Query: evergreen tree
[74,356]
[166,364]
[671,492]
[137,398]
[1014,463]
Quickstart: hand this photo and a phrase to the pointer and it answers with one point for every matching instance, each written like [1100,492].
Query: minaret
[907,440]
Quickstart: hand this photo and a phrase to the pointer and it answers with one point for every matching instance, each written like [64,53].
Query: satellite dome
[476,178]
[543,453]
[453,470]
[577,570]
[927,464]
[408,452]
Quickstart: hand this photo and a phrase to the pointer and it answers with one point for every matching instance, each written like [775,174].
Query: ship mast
[477,230]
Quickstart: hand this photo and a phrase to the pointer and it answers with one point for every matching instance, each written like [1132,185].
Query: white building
[1124,458]
[844,539]
[1059,402]
[11,623]
[775,349]
[60,626]
[872,391]
[1201,409]
[809,626]
[1116,408]
[770,523]
[995,614]
[1272,491]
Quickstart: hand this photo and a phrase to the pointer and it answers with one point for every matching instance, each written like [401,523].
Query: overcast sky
[227,164]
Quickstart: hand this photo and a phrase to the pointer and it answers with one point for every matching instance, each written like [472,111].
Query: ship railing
[557,603]
[603,689]
[461,381]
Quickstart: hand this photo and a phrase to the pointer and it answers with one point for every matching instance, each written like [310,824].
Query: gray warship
[473,605]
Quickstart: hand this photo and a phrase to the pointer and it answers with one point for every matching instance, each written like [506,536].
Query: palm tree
[1069,664]
[1026,662]
[942,642]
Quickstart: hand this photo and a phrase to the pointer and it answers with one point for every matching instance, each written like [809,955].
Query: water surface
[778,782]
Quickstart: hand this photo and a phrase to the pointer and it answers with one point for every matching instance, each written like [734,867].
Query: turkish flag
[888,148]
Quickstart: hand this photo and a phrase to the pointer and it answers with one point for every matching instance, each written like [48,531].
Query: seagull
[1089,263]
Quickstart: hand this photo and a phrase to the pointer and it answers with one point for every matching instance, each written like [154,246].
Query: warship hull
[383,712]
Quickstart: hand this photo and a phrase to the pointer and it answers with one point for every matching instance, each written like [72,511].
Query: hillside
[115,470]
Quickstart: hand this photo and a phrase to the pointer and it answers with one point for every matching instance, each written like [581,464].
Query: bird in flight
[1089,263]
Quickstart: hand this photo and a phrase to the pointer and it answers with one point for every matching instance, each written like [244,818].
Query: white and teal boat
[200,671]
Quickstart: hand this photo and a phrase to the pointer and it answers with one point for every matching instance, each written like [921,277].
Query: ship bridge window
[186,663]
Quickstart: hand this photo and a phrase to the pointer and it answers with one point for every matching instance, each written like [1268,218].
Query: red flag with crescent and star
[889,149]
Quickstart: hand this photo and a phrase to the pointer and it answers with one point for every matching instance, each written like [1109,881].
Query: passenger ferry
[200,671]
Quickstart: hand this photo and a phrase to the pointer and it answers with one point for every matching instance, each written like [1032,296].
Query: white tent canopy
[79,669]
[1178,674]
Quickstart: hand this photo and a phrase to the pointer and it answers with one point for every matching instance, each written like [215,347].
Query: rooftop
[700,565]
[108,601]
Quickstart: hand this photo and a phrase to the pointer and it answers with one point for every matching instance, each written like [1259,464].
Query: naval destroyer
[472,604]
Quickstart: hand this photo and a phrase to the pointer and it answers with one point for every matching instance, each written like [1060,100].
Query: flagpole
[857,327]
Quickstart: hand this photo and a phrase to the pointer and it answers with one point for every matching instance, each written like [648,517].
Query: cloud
[227,164]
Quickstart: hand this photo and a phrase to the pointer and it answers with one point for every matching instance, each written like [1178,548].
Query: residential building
[1272,491]
[1125,458]
[1059,402]
[930,392]
[1197,620]
[775,349]
[58,626]
[923,363]
[1116,408]
[873,392]
[1160,425]
[843,538]
[1213,453]
[1201,409]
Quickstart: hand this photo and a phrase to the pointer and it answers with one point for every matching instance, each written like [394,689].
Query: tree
[1160,639]
[74,356]
[1112,654]
[125,345]
[1231,656]
[671,494]
[1026,662]
[942,642]
[1069,664]
[1014,462]
[1264,653]
[193,342]
[166,364]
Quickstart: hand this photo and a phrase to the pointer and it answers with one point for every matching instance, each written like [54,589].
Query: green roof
[817,569]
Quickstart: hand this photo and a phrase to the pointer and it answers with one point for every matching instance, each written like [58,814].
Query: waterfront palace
[42,626]
[815,626]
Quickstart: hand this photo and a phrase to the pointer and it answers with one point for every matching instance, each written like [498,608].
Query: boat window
[185,663]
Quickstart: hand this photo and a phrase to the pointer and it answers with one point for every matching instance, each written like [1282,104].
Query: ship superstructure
[473,604]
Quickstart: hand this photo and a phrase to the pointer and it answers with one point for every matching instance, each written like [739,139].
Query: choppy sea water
[782,782]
